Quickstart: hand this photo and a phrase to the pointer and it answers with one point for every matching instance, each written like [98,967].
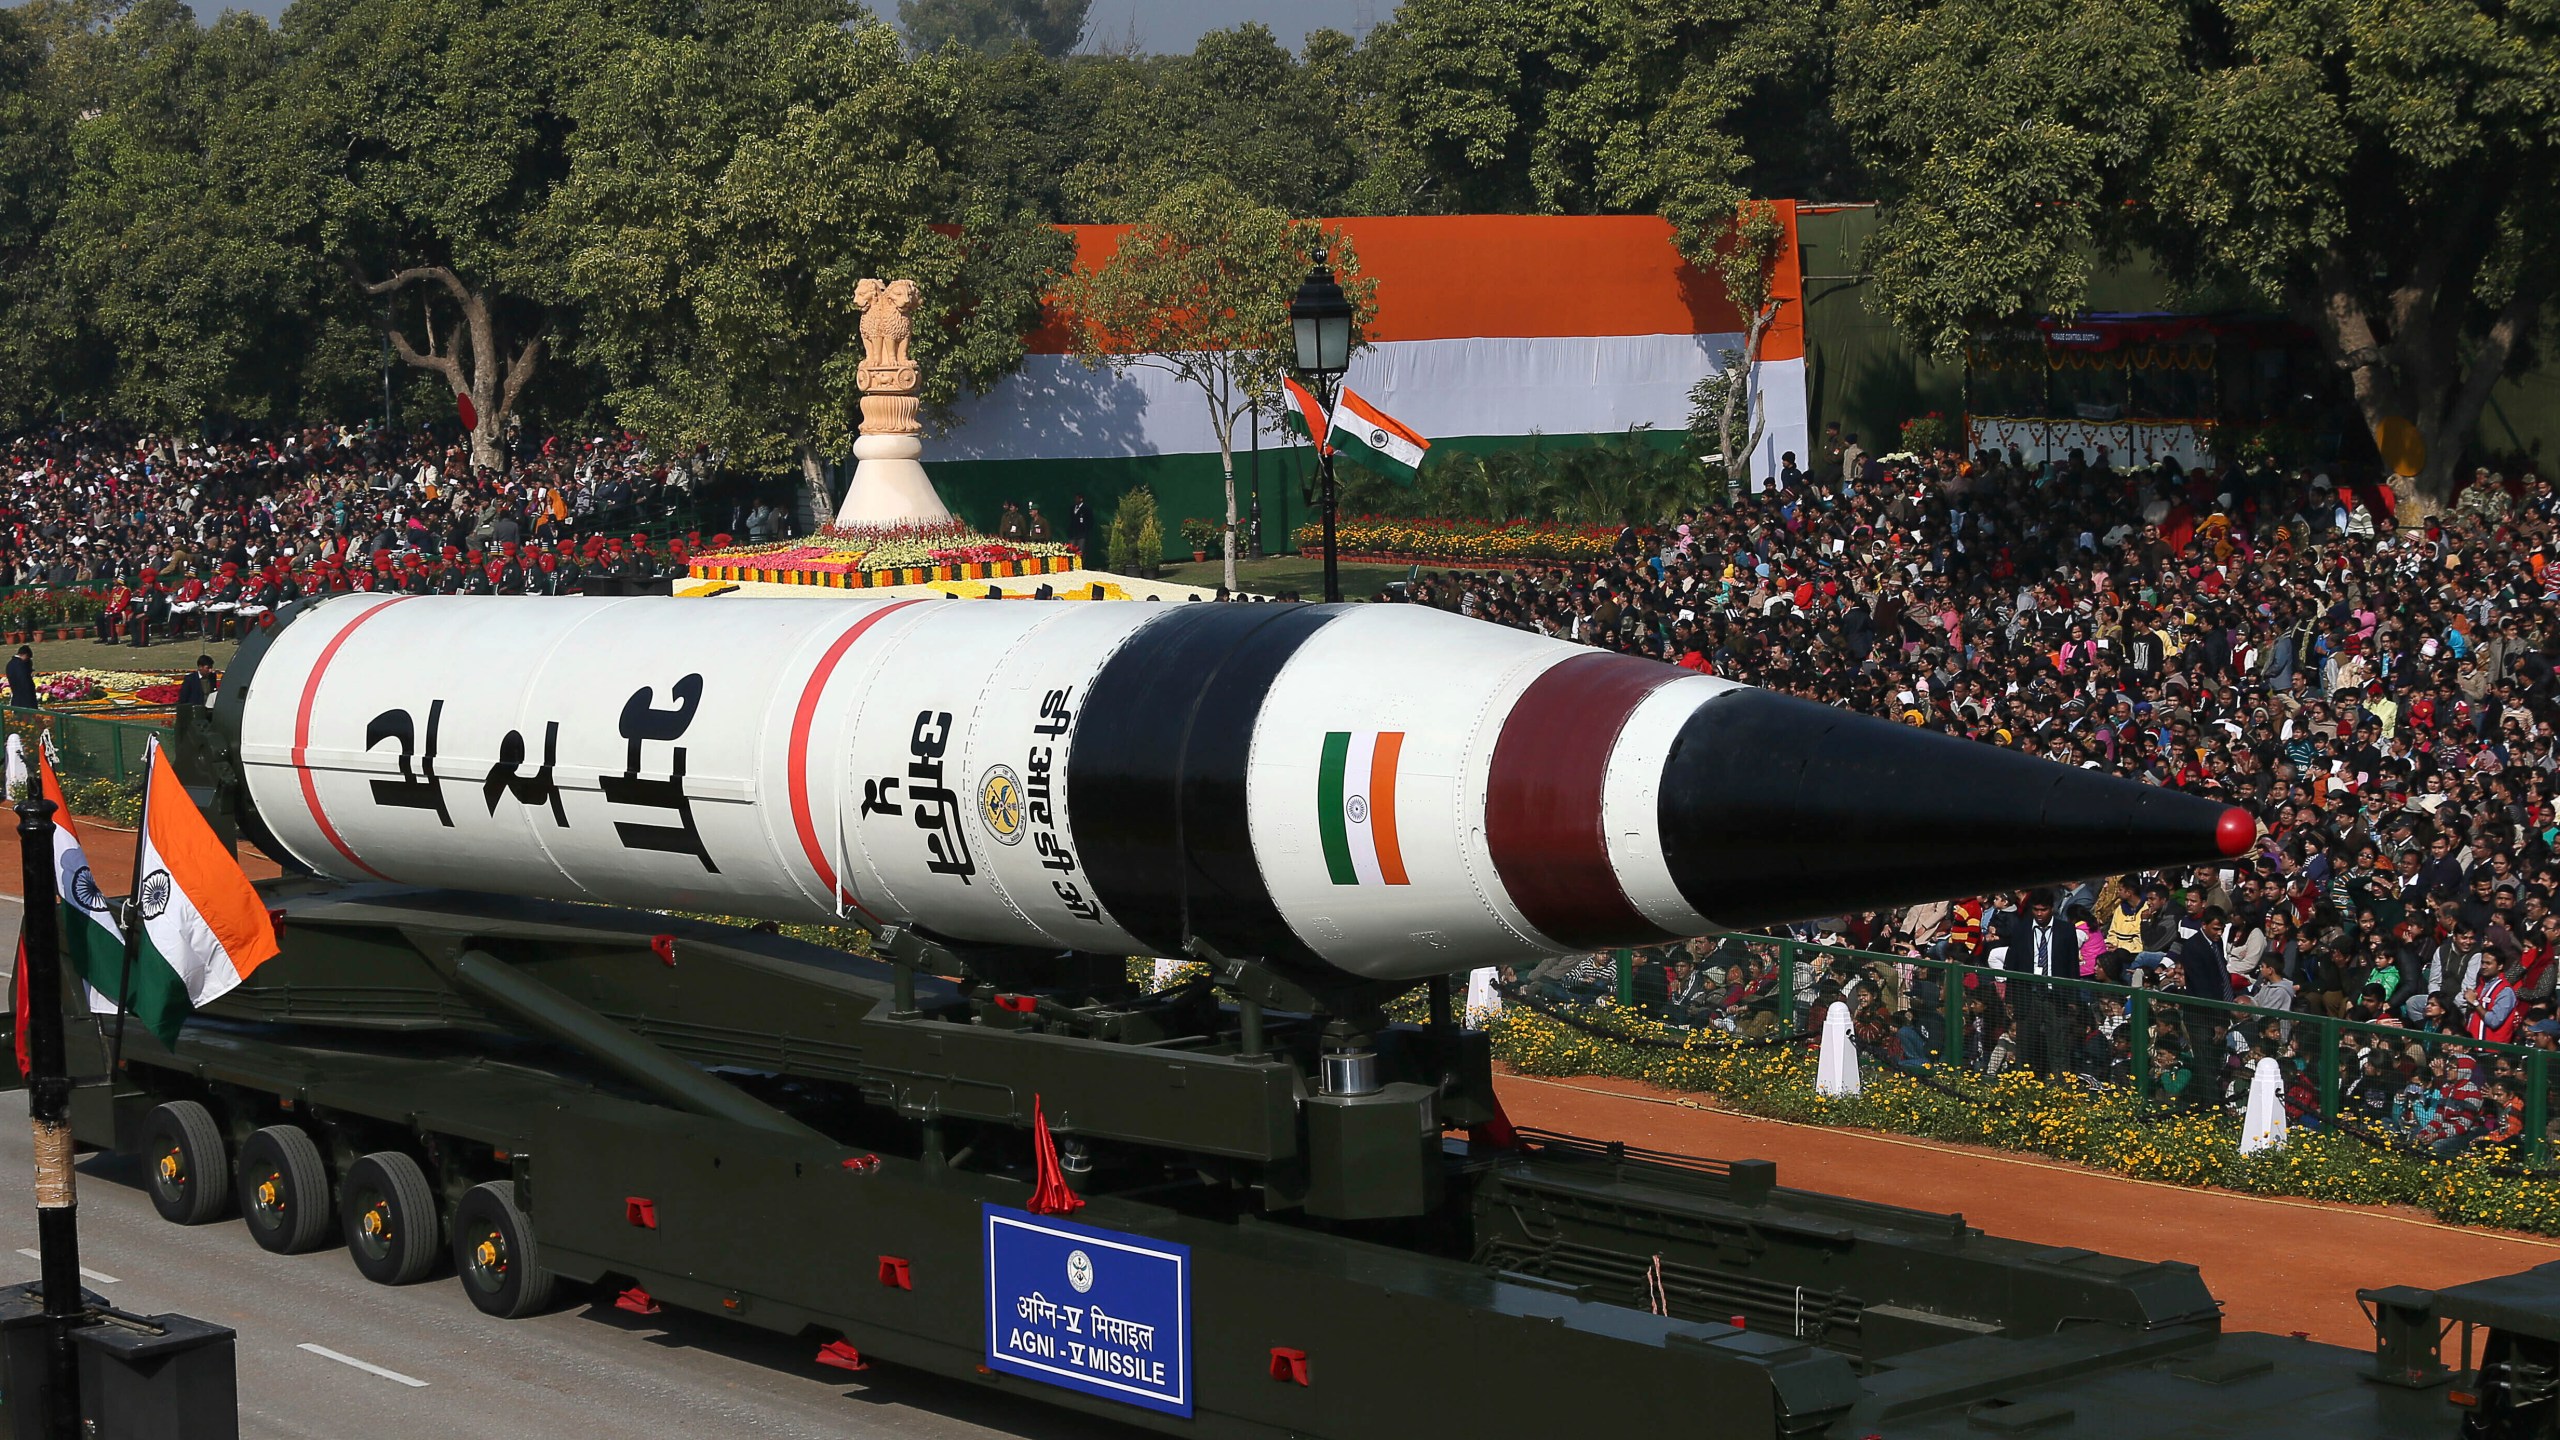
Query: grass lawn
[1280,573]
[171,656]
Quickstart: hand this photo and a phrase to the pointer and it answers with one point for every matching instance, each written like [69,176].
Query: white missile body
[1387,790]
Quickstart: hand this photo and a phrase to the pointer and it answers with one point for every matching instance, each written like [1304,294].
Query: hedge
[2112,1128]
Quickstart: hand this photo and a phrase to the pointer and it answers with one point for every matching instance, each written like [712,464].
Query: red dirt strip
[2277,1265]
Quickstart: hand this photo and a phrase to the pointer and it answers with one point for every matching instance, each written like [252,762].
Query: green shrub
[2113,1128]
[1132,521]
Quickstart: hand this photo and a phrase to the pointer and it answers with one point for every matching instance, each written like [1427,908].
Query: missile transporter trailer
[524,1094]
[1249,1206]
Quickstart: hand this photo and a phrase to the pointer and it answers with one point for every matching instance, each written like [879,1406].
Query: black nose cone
[1775,808]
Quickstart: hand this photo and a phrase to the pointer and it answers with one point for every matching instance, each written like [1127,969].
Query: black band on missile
[1156,777]
[1775,808]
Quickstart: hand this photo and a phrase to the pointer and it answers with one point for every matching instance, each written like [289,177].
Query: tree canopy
[1050,26]
[651,212]
[727,194]
[2385,171]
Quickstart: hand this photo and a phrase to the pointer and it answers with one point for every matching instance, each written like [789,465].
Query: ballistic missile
[1384,790]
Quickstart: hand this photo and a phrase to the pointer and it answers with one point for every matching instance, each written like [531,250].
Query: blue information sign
[1091,1310]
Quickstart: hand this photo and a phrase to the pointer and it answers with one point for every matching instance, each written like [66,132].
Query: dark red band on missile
[1156,777]
[302,736]
[803,823]
[1542,802]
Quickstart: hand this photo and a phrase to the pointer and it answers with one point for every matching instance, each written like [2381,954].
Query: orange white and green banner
[1488,326]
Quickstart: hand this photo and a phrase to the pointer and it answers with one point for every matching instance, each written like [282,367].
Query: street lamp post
[1320,323]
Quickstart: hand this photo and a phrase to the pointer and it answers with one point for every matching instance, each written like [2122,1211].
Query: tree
[1578,107]
[34,161]
[419,145]
[1239,107]
[1053,27]
[188,307]
[1747,264]
[728,192]
[2385,171]
[1199,289]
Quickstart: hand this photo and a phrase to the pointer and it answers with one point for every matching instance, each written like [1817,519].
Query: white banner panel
[1055,409]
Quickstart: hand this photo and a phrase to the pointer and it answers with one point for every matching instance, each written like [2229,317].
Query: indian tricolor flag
[1300,412]
[1356,807]
[204,927]
[1366,435]
[90,940]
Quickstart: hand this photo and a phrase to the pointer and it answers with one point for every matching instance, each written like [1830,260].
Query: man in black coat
[2203,973]
[201,682]
[2042,943]
[22,678]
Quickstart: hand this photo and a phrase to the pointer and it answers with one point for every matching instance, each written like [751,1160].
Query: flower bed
[79,690]
[1401,539]
[850,558]
[2113,1129]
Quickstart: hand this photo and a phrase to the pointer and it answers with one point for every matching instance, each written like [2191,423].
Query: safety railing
[1781,981]
[100,761]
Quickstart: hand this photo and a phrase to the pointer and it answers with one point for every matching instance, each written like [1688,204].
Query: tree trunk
[1735,479]
[1738,394]
[813,479]
[1227,461]
[2417,373]
[472,363]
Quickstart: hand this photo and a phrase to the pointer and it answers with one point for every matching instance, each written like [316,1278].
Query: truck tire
[493,1248]
[284,1190]
[190,1175]
[390,1218]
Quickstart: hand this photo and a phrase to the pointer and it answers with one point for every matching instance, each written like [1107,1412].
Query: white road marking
[368,1367]
[99,1276]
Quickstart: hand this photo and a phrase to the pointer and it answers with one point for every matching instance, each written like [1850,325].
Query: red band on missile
[1542,806]
[802,821]
[302,736]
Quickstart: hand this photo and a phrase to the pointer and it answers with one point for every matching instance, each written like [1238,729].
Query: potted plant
[1201,534]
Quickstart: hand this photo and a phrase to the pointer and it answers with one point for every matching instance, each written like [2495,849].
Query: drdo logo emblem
[1000,804]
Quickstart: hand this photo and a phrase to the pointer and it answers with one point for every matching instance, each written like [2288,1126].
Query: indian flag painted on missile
[1356,807]
[1366,435]
[90,940]
[204,927]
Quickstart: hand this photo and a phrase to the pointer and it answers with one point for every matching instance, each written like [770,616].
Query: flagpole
[49,1109]
[132,917]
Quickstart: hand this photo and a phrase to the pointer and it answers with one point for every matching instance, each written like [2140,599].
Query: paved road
[586,1369]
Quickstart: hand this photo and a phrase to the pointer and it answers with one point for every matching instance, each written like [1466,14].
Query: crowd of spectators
[2381,698]
[186,537]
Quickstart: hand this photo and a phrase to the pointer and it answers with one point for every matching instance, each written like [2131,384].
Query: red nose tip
[2236,833]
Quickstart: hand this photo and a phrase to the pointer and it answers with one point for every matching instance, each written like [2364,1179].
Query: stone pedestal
[889,486]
